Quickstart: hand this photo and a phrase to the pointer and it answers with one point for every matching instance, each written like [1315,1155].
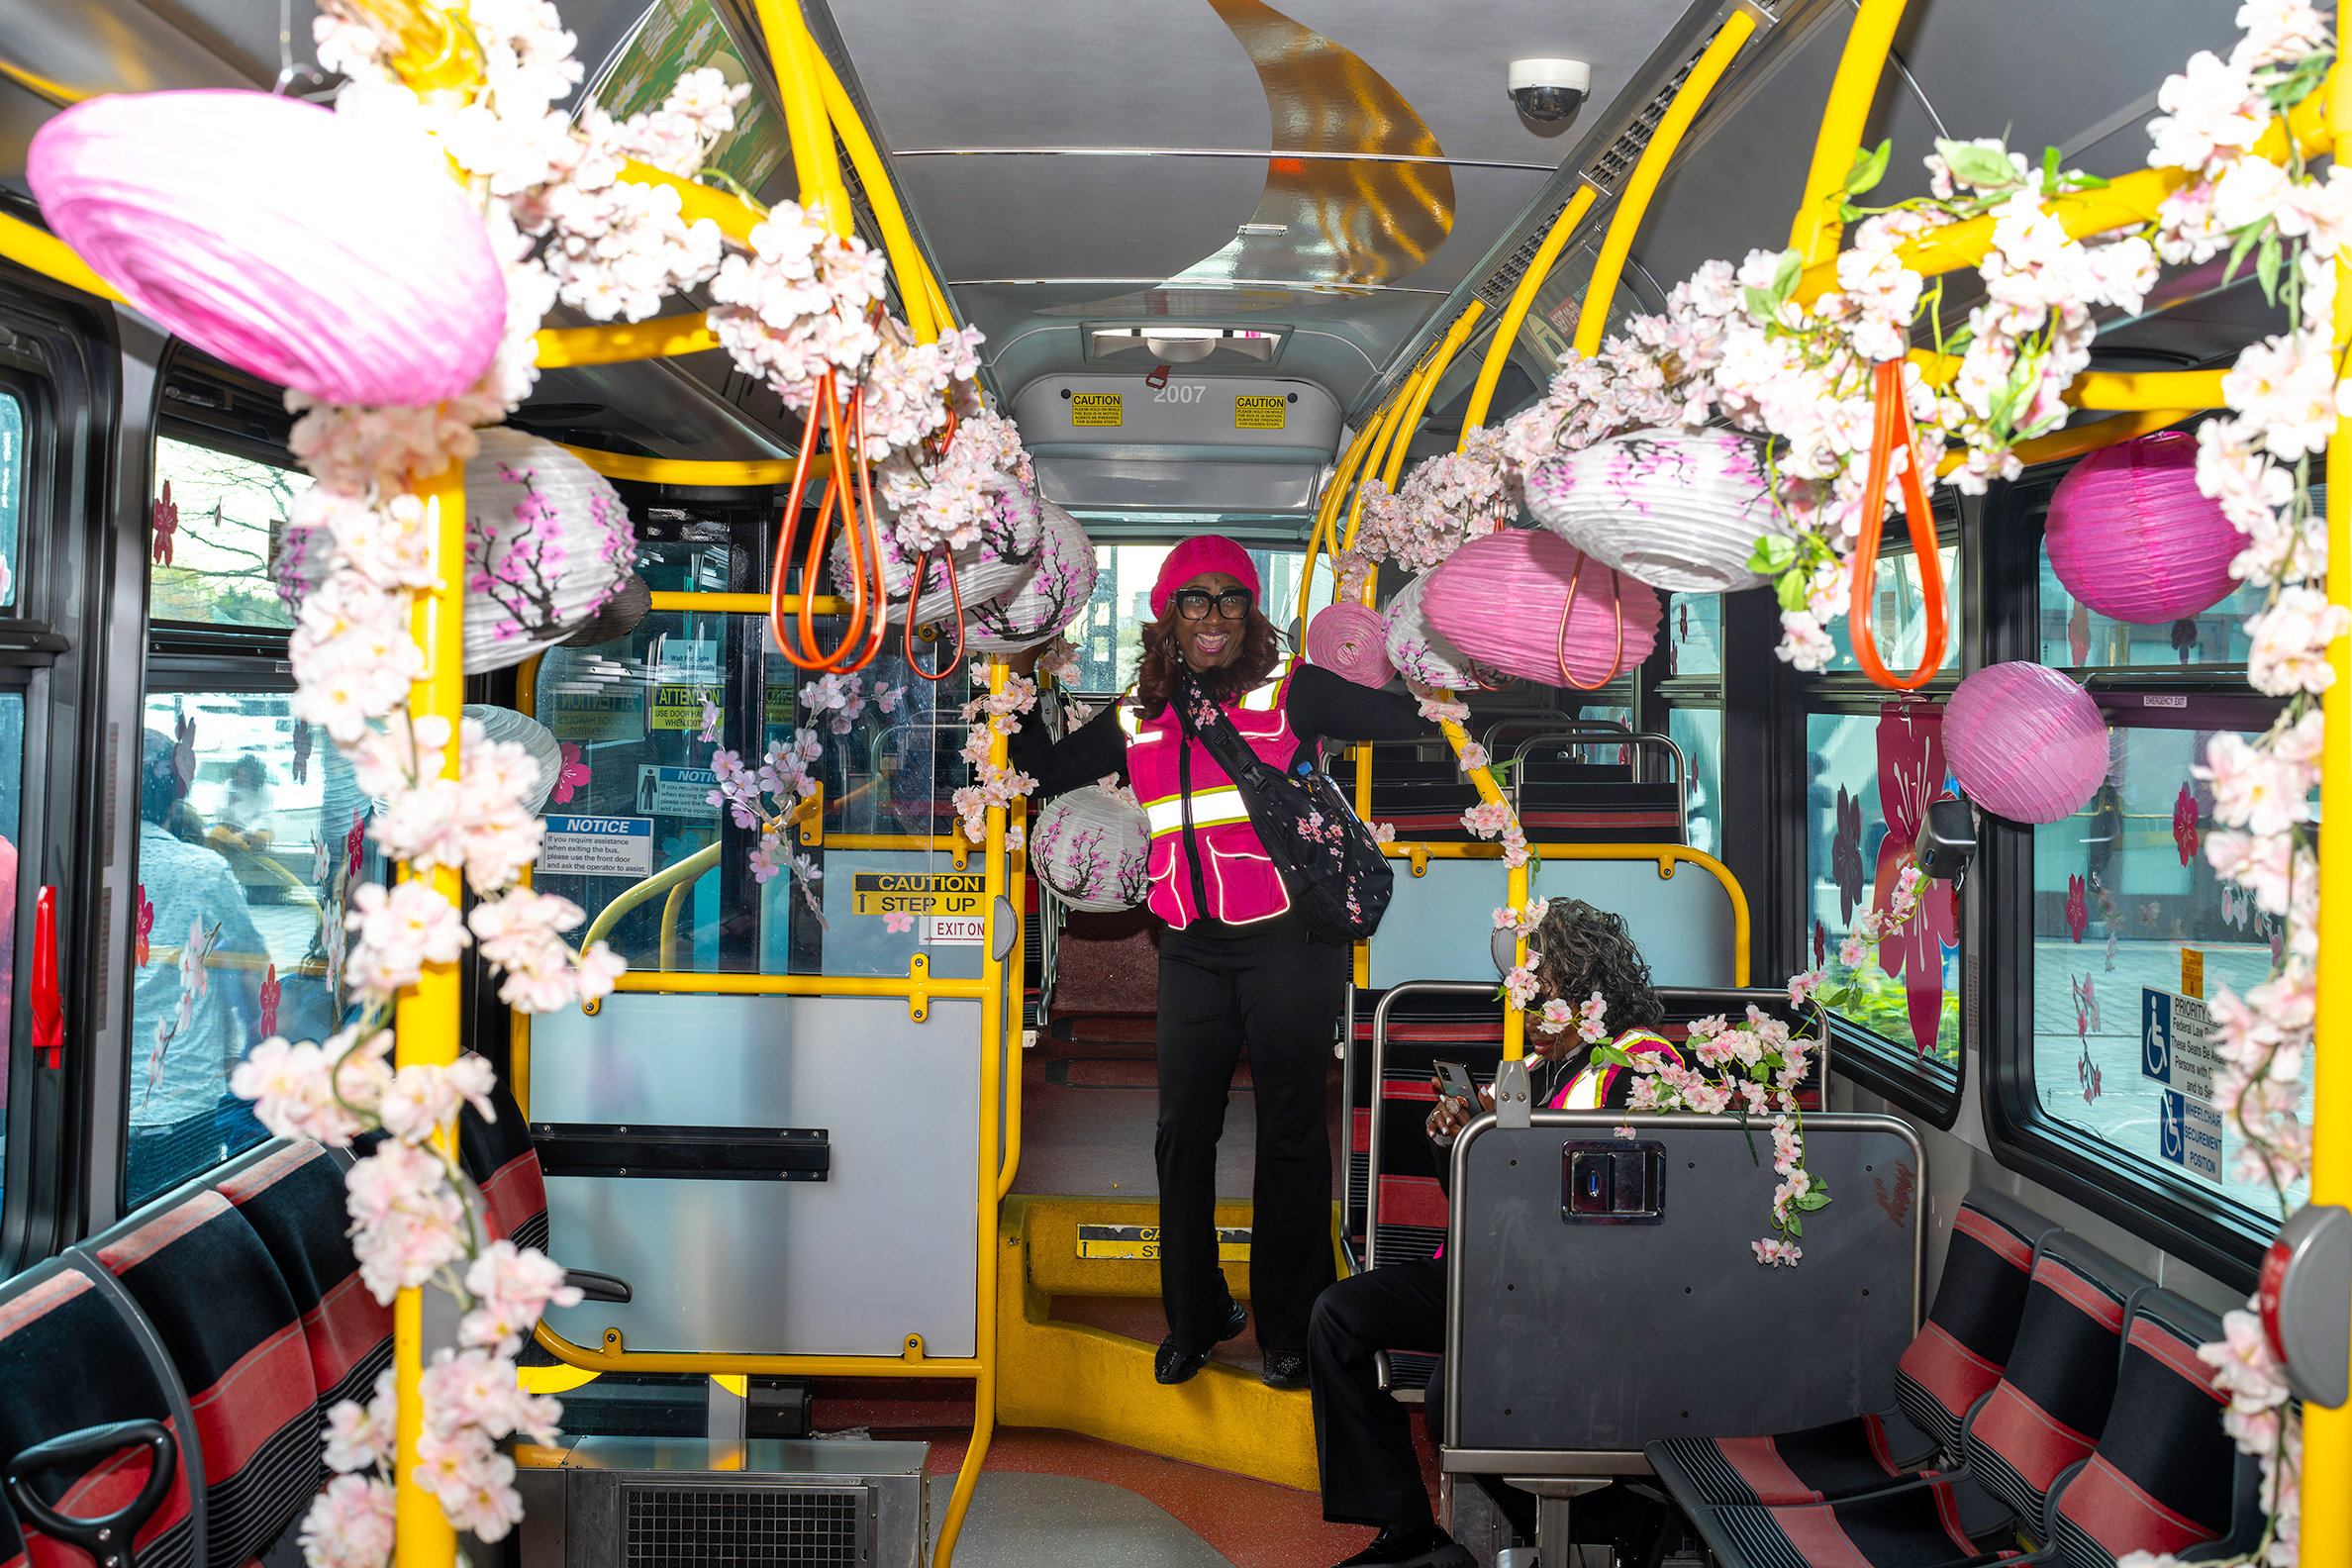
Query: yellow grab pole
[991,976]
[49,256]
[792,53]
[1818,229]
[1384,426]
[1424,383]
[1547,255]
[1325,532]
[1592,318]
[916,290]
[2327,1434]
[426,1020]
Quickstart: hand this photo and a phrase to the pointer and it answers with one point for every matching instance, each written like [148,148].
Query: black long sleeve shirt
[1318,704]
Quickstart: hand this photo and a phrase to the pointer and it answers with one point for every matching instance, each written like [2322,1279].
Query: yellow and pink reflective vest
[1232,879]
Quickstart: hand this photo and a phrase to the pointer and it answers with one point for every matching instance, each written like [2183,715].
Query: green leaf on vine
[1760,304]
[2267,257]
[1774,553]
[2050,169]
[1817,1199]
[1612,1055]
[1986,168]
[1785,276]
[1794,1226]
[2247,239]
[1791,589]
[1870,167]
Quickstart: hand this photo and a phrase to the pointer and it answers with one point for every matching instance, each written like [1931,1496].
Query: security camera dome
[1549,90]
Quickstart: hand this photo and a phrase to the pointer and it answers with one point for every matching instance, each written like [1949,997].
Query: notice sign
[676,792]
[2189,1135]
[597,846]
[1143,1241]
[679,707]
[932,894]
[1096,408]
[2175,1043]
[1260,412]
[597,715]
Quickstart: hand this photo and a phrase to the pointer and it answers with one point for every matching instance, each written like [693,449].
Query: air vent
[693,1526]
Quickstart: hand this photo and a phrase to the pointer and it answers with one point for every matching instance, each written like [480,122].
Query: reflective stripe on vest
[1208,808]
[1591,1086]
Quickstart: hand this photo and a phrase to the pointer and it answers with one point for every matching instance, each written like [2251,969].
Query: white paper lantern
[1092,849]
[1680,509]
[1421,653]
[986,571]
[548,544]
[505,724]
[1061,580]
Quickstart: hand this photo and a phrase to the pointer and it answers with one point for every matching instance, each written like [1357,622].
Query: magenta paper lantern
[317,253]
[2026,742]
[2130,537]
[1350,639]
[1504,600]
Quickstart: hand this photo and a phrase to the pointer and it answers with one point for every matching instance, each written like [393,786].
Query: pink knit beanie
[1209,552]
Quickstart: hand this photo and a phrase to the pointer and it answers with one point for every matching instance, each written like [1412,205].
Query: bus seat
[500,1159]
[1559,801]
[2166,1476]
[1954,1361]
[201,1276]
[2022,1442]
[1440,924]
[73,1359]
[292,1195]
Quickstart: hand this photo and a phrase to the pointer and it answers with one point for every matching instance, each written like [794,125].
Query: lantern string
[1892,428]
[1617,604]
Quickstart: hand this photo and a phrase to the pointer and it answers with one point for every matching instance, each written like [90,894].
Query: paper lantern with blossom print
[1060,581]
[547,547]
[331,254]
[1680,508]
[2026,742]
[1532,605]
[1092,849]
[2130,536]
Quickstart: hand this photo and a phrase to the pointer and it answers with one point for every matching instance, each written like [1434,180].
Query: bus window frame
[2198,1226]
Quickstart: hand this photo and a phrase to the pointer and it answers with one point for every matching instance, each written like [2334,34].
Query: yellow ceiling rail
[2156,389]
[918,290]
[662,338]
[793,55]
[1418,398]
[2080,439]
[1591,319]
[746,603]
[2125,201]
[1326,513]
[1818,230]
[749,471]
[1507,329]
[1384,425]
[50,257]
[734,217]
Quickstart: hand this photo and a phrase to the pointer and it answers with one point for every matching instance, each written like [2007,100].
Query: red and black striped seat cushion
[70,1359]
[293,1198]
[503,1162]
[204,1279]
[1916,1527]
[1953,1363]
[2166,1478]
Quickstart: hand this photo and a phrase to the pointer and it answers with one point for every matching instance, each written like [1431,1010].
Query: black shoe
[1175,1365]
[1420,1546]
[1285,1369]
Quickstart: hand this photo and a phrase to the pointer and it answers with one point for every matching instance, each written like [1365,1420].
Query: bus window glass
[1867,780]
[214,536]
[2128,920]
[12,489]
[1108,631]
[248,822]
[11,775]
[2076,637]
[1899,628]
[1695,635]
[1700,733]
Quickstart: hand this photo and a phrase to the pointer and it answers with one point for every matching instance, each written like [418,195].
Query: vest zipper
[1192,843]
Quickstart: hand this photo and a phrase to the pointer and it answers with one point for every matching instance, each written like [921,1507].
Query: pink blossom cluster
[802,305]
[1444,504]
[994,785]
[1521,984]
[906,390]
[783,778]
[953,500]
[2263,1420]
[1494,818]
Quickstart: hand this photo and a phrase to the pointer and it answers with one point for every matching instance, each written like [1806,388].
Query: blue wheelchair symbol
[2175,1114]
[2156,1035]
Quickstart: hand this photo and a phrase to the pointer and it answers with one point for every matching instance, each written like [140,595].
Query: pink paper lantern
[301,245]
[2026,742]
[1350,639]
[1504,600]
[2130,537]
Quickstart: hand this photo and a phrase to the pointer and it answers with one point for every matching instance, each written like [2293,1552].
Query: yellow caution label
[1143,1241]
[679,707]
[2193,973]
[1097,408]
[1260,412]
[597,715]
[916,892]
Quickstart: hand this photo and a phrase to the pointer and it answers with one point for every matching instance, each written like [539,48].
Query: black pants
[1363,1438]
[1220,985]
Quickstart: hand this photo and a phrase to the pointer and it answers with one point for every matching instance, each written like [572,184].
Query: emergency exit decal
[1096,408]
[948,903]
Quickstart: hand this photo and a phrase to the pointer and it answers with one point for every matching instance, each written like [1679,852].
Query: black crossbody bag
[1339,881]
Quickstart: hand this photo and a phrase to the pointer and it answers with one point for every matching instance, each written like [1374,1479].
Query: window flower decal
[1845,855]
[167,524]
[2185,826]
[270,992]
[146,926]
[1911,774]
[571,775]
[2078,910]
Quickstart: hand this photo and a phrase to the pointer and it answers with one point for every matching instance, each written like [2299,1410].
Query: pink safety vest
[1238,875]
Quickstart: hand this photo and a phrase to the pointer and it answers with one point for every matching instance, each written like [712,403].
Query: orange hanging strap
[1893,429]
[813,557]
[870,531]
[955,593]
[1617,593]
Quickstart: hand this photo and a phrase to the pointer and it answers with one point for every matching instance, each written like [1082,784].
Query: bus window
[12,495]
[246,823]
[12,777]
[224,510]
[2074,636]
[1700,733]
[1899,626]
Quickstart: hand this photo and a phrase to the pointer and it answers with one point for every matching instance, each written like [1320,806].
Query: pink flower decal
[1845,855]
[1821,944]
[2185,825]
[167,524]
[898,921]
[2078,912]
[1911,774]
[354,843]
[146,926]
[269,1002]
[571,775]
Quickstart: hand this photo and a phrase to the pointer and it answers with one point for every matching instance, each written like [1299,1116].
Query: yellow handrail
[617,1357]
[2327,1434]
[2146,390]
[1592,318]
[791,54]
[662,338]
[2079,438]
[927,308]
[1383,426]
[426,1019]
[1425,385]
[49,256]
[686,870]
[746,472]
[742,603]
[1326,513]
[1816,231]
[1514,314]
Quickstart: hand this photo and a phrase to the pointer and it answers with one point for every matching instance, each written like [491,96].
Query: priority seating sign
[2177,1053]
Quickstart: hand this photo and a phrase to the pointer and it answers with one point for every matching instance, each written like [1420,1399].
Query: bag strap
[1218,736]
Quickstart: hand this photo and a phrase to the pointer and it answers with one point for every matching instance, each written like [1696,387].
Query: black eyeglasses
[1194,603]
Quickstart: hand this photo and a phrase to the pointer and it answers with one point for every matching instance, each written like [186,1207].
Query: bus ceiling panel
[1026,217]
[1179,484]
[667,405]
[1247,417]
[70,50]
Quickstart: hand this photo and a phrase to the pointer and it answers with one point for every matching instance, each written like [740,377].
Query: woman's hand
[1451,1116]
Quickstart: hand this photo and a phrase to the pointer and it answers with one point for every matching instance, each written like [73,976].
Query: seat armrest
[597,1287]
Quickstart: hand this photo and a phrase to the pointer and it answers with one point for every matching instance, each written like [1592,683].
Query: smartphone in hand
[1455,1083]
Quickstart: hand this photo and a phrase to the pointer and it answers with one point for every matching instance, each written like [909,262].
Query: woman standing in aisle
[1236,963]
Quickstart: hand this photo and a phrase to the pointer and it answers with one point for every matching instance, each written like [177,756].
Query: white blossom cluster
[954,501]
[1444,504]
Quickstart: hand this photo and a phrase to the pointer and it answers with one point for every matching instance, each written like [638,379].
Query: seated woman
[1363,1445]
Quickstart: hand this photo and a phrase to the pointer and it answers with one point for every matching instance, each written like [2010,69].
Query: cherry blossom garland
[948,500]
[994,784]
[1442,505]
